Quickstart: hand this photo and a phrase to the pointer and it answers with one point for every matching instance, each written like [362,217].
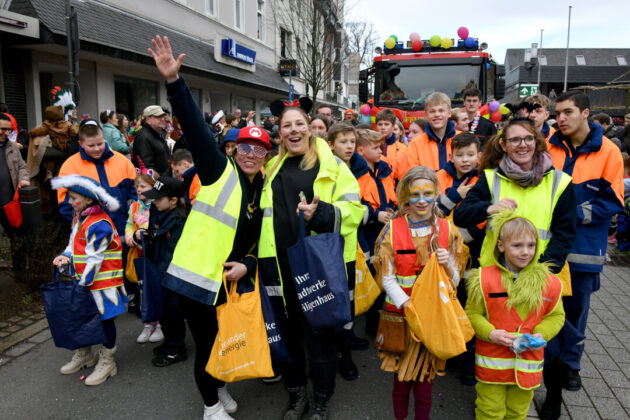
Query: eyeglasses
[516,141]
[244,149]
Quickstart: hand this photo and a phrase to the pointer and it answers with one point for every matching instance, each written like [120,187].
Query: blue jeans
[576,308]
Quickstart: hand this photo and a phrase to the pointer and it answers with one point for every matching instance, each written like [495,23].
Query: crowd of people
[517,216]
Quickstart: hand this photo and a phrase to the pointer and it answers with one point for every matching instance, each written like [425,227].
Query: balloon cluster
[435,41]
[494,110]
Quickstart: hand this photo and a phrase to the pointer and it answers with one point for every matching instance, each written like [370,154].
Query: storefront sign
[230,48]
[289,68]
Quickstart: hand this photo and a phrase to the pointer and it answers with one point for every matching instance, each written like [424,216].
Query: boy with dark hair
[392,150]
[433,148]
[184,167]
[581,150]
[479,126]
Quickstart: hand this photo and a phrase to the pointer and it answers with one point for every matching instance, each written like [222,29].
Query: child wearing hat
[94,256]
[228,145]
[167,217]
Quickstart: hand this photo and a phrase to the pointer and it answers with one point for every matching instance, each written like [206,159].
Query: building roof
[117,30]
[514,57]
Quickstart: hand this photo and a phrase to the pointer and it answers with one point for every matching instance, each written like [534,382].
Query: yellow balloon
[504,110]
[390,43]
[447,43]
[435,40]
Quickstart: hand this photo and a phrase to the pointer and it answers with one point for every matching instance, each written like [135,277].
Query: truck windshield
[407,86]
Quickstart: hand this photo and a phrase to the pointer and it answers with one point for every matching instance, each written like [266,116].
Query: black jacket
[210,164]
[484,131]
[474,210]
[152,149]
[165,229]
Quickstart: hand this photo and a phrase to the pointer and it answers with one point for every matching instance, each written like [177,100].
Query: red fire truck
[403,78]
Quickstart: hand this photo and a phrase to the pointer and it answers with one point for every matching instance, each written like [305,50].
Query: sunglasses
[244,149]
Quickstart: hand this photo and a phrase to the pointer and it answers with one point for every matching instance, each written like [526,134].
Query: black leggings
[202,321]
[110,333]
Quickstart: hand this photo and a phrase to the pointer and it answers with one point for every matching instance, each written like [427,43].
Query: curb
[23,334]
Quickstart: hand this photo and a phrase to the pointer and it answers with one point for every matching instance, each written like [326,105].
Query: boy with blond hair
[433,148]
[539,113]
[460,119]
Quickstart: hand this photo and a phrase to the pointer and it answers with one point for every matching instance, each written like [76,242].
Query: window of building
[260,19]
[580,60]
[285,43]
[543,60]
[210,7]
[621,60]
[133,95]
[196,94]
[238,14]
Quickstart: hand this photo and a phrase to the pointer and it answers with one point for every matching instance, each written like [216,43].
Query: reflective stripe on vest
[545,195]
[586,259]
[208,236]
[405,256]
[498,364]
[111,271]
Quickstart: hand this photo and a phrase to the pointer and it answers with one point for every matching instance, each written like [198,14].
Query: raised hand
[165,62]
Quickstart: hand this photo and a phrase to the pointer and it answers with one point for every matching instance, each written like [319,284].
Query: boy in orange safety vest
[515,296]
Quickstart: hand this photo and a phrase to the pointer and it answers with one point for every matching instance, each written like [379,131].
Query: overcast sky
[502,24]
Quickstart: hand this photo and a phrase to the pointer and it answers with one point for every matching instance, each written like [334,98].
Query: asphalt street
[32,388]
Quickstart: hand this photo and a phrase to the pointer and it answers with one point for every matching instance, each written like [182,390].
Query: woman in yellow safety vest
[517,173]
[223,225]
[304,176]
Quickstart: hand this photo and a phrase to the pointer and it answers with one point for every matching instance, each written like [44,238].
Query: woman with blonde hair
[305,176]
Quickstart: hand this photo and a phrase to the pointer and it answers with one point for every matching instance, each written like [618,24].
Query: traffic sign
[527,90]
[291,92]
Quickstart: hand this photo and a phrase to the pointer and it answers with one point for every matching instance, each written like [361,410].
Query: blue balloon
[469,42]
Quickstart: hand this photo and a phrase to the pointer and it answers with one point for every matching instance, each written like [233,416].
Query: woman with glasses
[517,173]
[223,227]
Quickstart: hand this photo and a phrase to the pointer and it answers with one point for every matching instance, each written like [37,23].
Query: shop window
[133,95]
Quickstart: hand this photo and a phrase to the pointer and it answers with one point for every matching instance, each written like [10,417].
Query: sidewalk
[29,364]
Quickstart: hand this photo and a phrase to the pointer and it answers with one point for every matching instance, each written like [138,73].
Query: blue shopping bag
[72,314]
[151,292]
[319,273]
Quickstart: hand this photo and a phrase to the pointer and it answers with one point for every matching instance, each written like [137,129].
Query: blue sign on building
[230,48]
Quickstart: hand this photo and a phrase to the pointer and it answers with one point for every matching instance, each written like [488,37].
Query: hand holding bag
[13,210]
[435,316]
[73,317]
[240,350]
[319,272]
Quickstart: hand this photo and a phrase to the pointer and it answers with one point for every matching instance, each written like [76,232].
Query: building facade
[594,67]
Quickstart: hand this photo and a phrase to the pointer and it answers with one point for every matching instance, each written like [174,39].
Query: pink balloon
[462,32]
[414,36]
[416,45]
[365,109]
[494,106]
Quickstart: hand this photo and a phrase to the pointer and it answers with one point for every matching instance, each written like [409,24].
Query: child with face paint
[402,250]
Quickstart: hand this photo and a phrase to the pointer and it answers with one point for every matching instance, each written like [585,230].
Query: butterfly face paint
[422,194]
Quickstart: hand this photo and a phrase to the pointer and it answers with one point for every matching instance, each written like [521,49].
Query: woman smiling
[304,176]
[517,173]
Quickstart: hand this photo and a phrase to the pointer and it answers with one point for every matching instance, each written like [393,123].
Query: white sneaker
[145,334]
[157,335]
[216,412]
[226,400]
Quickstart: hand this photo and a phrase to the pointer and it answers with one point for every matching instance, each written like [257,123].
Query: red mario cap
[254,133]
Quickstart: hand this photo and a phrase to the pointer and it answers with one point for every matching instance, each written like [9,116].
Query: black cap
[166,187]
